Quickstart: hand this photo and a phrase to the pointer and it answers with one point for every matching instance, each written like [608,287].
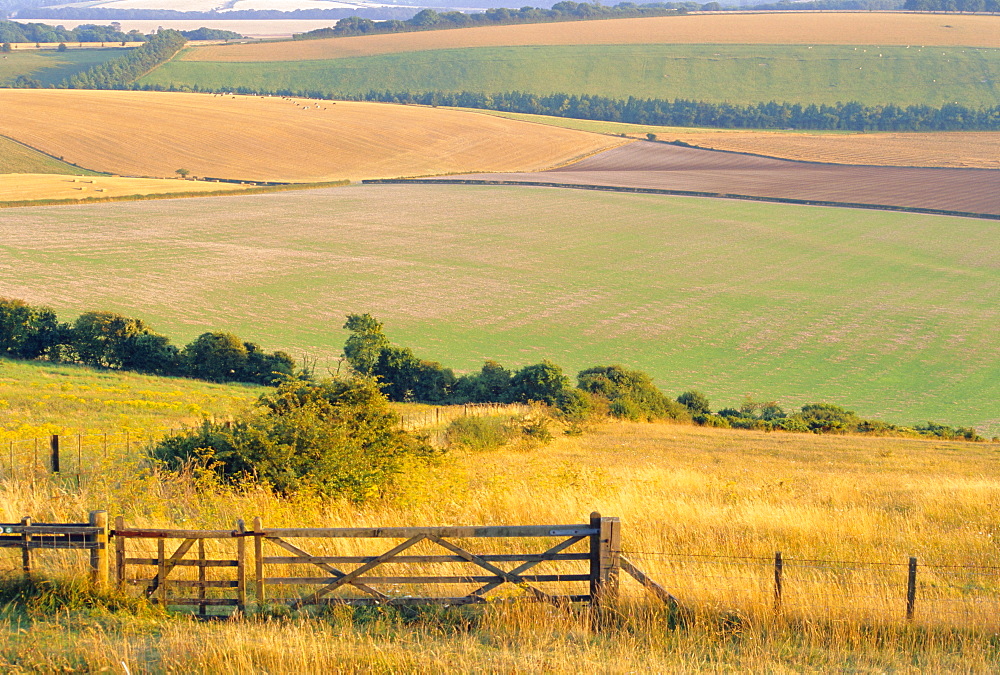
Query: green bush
[336,438]
[631,394]
[480,433]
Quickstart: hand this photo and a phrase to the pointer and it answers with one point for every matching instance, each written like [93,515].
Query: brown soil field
[780,28]
[31,186]
[659,165]
[968,150]
[274,139]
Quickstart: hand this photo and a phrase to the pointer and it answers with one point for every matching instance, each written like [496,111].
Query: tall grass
[687,497]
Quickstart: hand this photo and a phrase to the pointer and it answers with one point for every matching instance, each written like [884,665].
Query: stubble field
[862,28]
[254,138]
[892,315]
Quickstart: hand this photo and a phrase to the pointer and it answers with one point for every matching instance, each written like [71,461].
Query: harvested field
[36,187]
[893,315]
[659,165]
[958,149]
[782,28]
[275,139]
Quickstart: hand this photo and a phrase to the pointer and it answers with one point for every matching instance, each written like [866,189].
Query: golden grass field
[273,139]
[687,496]
[954,149]
[781,28]
[30,187]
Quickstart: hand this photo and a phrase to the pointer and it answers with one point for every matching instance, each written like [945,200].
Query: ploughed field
[663,166]
[891,314]
[275,139]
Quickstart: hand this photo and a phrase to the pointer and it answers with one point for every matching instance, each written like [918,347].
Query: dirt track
[658,165]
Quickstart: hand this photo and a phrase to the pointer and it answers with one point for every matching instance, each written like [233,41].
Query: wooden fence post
[911,589]
[241,567]
[25,550]
[54,448]
[99,554]
[120,551]
[779,566]
[605,565]
[258,559]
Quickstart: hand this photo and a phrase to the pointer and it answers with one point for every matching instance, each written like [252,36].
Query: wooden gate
[591,546]
[158,587]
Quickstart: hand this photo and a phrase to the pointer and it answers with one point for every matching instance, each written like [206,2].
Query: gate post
[605,565]
[54,452]
[99,554]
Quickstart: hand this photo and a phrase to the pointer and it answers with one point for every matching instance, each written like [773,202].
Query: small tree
[61,47]
[183,173]
[6,48]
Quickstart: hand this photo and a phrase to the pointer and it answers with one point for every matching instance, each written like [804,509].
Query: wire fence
[954,595]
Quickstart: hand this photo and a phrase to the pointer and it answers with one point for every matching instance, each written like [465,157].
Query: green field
[51,67]
[893,315]
[17,158]
[714,73]
[44,398]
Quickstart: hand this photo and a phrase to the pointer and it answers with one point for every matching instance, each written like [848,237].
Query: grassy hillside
[39,398]
[16,158]
[274,139]
[892,315]
[51,67]
[713,72]
[702,511]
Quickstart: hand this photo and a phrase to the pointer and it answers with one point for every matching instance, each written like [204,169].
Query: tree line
[429,19]
[117,342]
[122,71]
[13,32]
[601,390]
[852,116]
[952,5]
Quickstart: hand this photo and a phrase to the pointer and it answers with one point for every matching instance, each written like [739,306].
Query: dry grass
[781,28]
[680,491]
[24,187]
[959,149]
[258,138]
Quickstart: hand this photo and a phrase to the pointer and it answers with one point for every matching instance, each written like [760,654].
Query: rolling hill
[273,139]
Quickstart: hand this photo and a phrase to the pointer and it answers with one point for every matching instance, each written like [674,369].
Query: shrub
[631,394]
[336,438]
[695,401]
[479,433]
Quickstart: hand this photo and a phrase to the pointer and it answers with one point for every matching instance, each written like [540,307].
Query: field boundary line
[285,187]
[51,156]
[688,193]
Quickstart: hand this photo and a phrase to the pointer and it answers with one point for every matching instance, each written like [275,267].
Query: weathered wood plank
[537,557]
[177,534]
[292,548]
[558,548]
[208,602]
[464,600]
[187,583]
[427,579]
[351,576]
[499,531]
[507,576]
[182,563]
[642,578]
